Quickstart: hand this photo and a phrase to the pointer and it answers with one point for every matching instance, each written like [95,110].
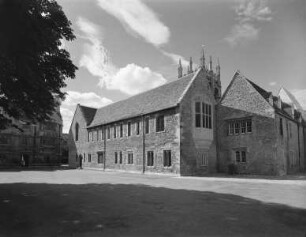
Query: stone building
[36,144]
[169,129]
[258,132]
[184,128]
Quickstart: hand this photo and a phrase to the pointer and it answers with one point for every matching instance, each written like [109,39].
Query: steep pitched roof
[88,113]
[283,92]
[265,94]
[160,98]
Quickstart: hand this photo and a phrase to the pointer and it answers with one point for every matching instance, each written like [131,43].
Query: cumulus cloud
[137,17]
[73,98]
[131,79]
[249,14]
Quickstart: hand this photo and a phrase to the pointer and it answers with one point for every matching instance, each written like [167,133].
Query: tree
[33,65]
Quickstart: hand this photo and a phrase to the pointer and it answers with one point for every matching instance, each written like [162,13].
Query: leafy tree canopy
[33,66]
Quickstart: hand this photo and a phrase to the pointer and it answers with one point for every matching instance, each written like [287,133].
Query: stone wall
[197,142]
[260,144]
[154,141]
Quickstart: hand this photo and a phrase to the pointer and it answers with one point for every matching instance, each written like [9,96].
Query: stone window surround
[204,159]
[151,163]
[130,158]
[203,116]
[231,126]
[118,133]
[241,151]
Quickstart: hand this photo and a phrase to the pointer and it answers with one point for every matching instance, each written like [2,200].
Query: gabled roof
[265,94]
[290,98]
[161,98]
[88,113]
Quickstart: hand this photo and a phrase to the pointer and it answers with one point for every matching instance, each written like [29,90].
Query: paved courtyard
[97,203]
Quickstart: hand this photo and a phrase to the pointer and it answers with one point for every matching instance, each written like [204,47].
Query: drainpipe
[104,136]
[298,125]
[143,146]
[216,137]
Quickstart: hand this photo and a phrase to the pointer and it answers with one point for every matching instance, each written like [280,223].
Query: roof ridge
[141,93]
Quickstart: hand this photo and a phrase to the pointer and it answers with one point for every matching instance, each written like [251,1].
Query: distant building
[37,144]
[184,127]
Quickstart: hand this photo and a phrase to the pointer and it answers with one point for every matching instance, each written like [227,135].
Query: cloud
[249,14]
[131,79]
[300,95]
[73,98]
[138,18]
[175,58]
[272,83]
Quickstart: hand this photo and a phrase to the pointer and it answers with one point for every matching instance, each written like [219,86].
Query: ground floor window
[116,158]
[150,158]
[89,157]
[101,157]
[204,159]
[240,156]
[167,158]
[130,158]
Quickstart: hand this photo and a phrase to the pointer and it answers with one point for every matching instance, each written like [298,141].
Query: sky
[124,47]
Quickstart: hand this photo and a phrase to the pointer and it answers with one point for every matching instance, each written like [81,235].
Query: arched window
[76,131]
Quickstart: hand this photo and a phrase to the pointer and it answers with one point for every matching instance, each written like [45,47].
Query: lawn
[135,209]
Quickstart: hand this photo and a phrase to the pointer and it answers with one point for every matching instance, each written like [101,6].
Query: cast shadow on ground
[139,210]
[33,168]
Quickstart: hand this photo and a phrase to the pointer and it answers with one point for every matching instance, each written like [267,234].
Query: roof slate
[88,113]
[160,98]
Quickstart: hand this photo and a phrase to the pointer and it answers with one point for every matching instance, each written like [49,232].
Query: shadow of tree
[139,210]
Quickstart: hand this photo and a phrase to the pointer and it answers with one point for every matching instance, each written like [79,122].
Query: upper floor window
[95,136]
[90,136]
[100,135]
[137,127]
[76,131]
[129,129]
[121,130]
[237,127]
[203,115]
[108,132]
[147,125]
[115,131]
[160,123]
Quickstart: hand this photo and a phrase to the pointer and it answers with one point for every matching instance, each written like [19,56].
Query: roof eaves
[129,117]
